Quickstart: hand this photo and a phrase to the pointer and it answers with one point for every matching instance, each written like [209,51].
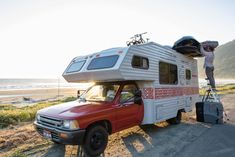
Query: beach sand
[35,95]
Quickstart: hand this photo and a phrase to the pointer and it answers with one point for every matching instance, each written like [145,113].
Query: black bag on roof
[188,46]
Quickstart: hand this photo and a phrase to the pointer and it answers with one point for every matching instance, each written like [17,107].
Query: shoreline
[35,95]
[18,89]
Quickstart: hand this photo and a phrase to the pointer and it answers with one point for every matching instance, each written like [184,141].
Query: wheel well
[105,123]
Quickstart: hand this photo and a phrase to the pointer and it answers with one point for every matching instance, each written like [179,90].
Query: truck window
[103,62]
[101,92]
[76,66]
[168,73]
[188,74]
[127,94]
[140,62]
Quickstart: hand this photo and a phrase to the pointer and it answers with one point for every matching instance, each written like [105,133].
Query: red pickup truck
[105,108]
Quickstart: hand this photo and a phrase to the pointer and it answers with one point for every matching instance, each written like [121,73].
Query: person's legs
[213,79]
[210,76]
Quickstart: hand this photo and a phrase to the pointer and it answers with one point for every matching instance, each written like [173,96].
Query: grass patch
[221,89]
[11,115]
[6,107]
[68,99]
[18,154]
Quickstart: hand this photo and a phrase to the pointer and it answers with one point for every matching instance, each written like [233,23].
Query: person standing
[208,52]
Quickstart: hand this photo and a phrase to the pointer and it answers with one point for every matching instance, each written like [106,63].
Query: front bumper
[73,137]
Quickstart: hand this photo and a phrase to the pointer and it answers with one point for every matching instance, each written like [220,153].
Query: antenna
[58,91]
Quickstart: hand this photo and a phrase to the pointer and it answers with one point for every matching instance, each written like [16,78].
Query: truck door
[128,113]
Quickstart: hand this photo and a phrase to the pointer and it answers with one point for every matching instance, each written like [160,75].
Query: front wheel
[175,120]
[96,141]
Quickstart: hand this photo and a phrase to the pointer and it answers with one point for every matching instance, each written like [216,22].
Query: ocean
[29,84]
[36,90]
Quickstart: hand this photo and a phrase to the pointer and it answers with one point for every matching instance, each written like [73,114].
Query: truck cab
[104,108]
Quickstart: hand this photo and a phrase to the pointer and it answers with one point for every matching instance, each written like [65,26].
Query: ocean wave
[30,84]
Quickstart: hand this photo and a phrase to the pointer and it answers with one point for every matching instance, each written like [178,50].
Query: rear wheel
[175,120]
[56,143]
[96,141]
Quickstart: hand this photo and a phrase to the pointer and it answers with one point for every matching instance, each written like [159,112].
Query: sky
[38,38]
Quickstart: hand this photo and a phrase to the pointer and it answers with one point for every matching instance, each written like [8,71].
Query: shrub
[18,154]
[69,99]
[11,115]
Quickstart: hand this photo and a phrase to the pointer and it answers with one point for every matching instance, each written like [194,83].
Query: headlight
[38,117]
[70,124]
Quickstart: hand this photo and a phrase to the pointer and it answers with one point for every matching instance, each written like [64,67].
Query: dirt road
[190,138]
[217,141]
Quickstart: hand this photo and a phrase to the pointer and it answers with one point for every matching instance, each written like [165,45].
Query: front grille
[52,122]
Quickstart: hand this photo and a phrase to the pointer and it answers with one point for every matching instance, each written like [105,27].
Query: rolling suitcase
[209,112]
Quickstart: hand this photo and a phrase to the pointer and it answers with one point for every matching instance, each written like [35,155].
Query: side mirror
[78,94]
[137,97]
[138,93]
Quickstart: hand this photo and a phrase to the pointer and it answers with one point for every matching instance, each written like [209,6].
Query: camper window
[168,73]
[103,62]
[188,74]
[140,62]
[75,66]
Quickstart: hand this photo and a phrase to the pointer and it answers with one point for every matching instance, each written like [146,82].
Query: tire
[175,120]
[96,141]
[56,143]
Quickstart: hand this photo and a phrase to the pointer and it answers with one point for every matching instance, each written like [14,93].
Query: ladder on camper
[210,94]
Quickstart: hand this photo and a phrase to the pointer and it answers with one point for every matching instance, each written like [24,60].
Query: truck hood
[74,109]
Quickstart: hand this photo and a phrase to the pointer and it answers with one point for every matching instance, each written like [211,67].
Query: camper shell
[152,66]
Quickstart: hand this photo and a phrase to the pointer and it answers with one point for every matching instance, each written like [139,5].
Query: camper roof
[136,62]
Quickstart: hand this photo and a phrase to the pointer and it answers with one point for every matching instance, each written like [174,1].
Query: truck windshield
[101,92]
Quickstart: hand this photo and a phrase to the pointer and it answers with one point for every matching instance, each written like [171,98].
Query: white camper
[168,79]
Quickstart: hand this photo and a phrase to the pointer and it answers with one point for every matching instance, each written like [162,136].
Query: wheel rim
[97,140]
